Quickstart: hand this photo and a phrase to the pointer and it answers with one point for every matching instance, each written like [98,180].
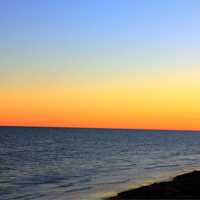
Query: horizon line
[109,128]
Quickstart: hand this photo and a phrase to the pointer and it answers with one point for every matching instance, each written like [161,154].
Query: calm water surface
[73,164]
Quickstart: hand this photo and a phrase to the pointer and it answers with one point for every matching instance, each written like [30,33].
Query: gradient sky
[108,63]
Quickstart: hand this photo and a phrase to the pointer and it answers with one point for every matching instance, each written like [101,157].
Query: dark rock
[186,186]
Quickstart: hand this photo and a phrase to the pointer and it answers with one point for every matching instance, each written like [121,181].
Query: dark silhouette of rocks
[185,186]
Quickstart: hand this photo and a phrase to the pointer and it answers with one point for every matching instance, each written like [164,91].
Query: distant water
[73,164]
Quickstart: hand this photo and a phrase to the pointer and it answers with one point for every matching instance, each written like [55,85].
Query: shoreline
[184,186]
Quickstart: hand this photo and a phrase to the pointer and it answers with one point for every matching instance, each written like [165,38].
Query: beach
[185,186]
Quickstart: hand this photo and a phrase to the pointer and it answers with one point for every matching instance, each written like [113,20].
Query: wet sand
[185,186]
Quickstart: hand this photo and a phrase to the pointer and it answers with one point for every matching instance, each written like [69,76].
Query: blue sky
[90,31]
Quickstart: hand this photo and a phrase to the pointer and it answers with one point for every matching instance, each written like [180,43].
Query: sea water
[86,164]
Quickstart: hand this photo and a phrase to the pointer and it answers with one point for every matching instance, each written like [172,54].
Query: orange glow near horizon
[158,104]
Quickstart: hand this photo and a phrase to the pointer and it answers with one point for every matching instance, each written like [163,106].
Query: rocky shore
[185,186]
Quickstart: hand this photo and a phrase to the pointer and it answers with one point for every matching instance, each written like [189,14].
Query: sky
[108,63]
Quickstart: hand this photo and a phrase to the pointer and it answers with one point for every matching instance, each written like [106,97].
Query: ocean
[89,164]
